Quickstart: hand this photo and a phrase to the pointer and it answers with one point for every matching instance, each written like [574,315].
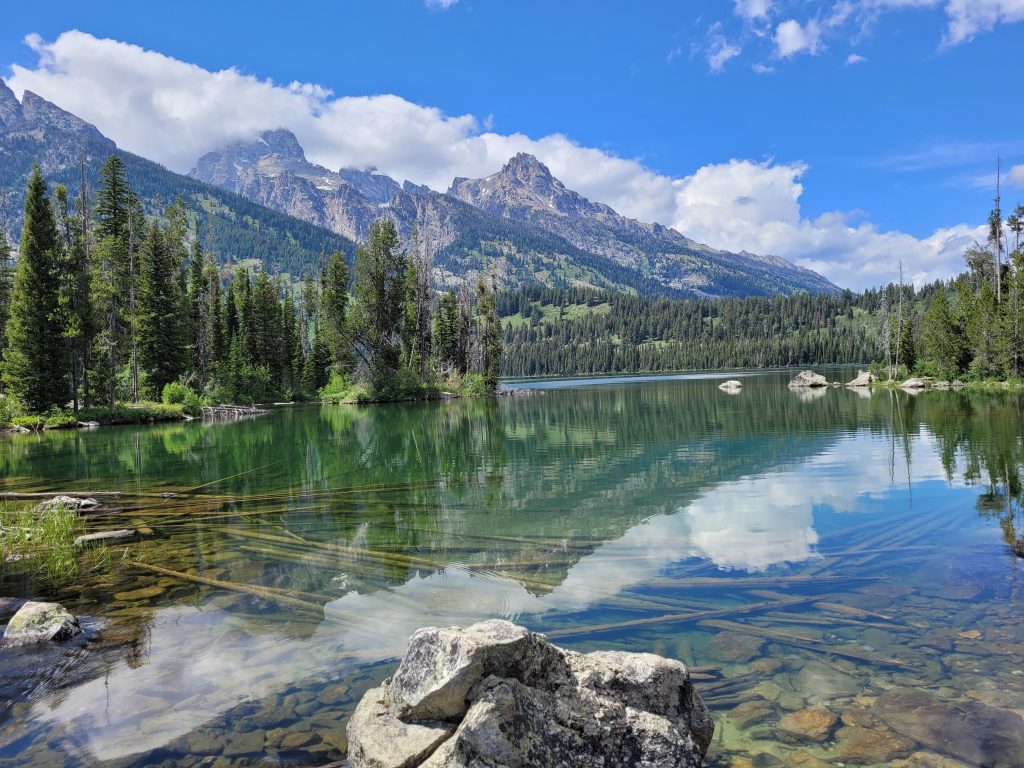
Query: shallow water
[828,551]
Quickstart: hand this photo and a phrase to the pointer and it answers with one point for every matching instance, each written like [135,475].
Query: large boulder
[495,694]
[37,622]
[732,386]
[920,382]
[808,380]
[68,502]
[864,379]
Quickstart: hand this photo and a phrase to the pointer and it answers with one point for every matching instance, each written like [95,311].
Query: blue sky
[843,135]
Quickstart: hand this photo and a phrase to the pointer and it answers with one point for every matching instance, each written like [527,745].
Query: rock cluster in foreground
[37,622]
[495,694]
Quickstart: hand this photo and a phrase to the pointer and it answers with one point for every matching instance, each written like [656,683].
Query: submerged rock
[68,502]
[864,379]
[967,730]
[495,694]
[808,379]
[814,724]
[39,622]
[1018,547]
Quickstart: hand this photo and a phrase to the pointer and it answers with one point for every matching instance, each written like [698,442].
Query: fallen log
[800,641]
[269,593]
[231,411]
[118,535]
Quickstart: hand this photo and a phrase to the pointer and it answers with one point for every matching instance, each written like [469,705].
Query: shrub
[61,421]
[34,423]
[178,393]
[10,407]
[140,413]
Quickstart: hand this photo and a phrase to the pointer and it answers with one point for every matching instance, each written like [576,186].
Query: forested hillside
[552,332]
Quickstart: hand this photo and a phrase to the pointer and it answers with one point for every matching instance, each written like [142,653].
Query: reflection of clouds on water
[749,524]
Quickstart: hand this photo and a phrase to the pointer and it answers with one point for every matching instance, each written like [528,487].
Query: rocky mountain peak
[527,169]
[10,108]
[281,142]
[372,184]
[38,111]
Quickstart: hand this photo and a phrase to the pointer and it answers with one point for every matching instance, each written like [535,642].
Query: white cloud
[854,58]
[720,50]
[1015,176]
[173,112]
[792,38]
[969,17]
[762,69]
[752,10]
[444,5]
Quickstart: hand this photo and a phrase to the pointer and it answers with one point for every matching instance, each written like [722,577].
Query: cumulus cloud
[854,58]
[752,10]
[792,38]
[173,112]
[1015,176]
[719,49]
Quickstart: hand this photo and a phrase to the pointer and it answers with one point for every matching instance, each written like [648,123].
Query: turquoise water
[833,565]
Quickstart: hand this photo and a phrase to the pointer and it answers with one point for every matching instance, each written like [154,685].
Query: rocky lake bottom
[834,568]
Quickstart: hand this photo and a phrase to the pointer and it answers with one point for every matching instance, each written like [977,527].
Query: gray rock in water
[39,622]
[76,505]
[864,379]
[808,379]
[967,730]
[495,694]
[731,386]
[922,382]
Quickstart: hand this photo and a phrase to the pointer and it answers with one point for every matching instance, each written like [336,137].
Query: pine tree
[941,341]
[380,301]
[6,277]
[334,298]
[75,301]
[113,279]
[35,368]
[160,332]
[491,335]
[199,313]
[446,331]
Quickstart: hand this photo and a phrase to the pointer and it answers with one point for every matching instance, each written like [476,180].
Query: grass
[136,413]
[39,542]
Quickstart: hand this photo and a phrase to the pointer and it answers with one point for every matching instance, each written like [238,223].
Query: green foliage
[34,366]
[475,385]
[161,331]
[380,302]
[135,413]
[34,423]
[178,393]
[61,421]
[10,408]
[39,543]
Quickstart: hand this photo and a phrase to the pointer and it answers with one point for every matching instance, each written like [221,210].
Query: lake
[833,565]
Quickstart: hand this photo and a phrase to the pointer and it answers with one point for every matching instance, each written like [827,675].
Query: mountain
[238,230]
[521,222]
[524,190]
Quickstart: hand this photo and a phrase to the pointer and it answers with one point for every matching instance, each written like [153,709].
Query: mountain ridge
[523,193]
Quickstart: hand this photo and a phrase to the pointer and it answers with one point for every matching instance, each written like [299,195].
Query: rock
[957,384]
[922,382]
[751,712]
[821,683]
[1018,547]
[968,730]
[119,535]
[732,646]
[73,504]
[378,739]
[941,385]
[38,622]
[864,379]
[869,745]
[10,605]
[495,694]
[807,379]
[814,724]
[145,593]
[732,386]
